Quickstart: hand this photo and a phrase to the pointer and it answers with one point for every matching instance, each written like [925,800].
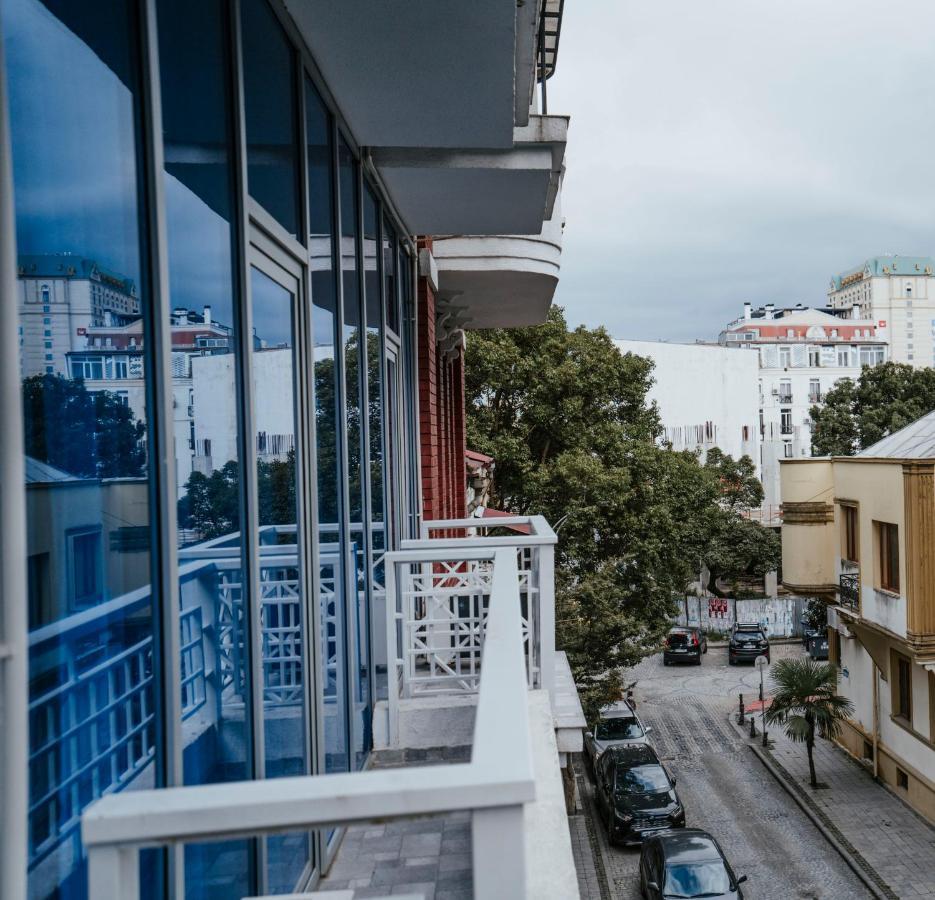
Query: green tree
[565,416]
[95,435]
[805,702]
[884,399]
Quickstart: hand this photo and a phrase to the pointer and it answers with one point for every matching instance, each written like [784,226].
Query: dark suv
[684,645]
[747,642]
[636,794]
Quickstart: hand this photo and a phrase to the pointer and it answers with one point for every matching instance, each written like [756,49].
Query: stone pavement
[891,843]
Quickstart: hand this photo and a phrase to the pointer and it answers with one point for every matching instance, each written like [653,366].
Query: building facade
[281,166]
[898,294]
[803,353]
[857,532]
[706,394]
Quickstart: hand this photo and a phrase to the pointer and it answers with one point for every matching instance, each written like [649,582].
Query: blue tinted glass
[281,598]
[92,665]
[351,339]
[194,69]
[333,650]
[270,114]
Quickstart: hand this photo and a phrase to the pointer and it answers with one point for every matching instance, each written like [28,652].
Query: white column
[113,873]
[499,853]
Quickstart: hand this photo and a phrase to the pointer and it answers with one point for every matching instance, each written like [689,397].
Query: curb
[868,876]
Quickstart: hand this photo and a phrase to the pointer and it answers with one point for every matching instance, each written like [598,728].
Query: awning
[488,513]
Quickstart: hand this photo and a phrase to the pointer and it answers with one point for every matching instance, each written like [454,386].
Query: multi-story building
[208,716]
[898,294]
[60,297]
[803,353]
[859,532]
[706,394]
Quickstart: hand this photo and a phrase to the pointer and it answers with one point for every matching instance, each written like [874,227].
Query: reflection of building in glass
[61,297]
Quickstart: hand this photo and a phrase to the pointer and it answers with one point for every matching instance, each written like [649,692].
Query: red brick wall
[441,415]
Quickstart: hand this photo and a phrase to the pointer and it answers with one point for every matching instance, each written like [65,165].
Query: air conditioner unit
[775,392]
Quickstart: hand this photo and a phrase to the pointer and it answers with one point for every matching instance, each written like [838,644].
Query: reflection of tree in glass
[95,435]
[211,505]
[325,424]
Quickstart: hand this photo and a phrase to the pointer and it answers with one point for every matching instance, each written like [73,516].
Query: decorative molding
[807,513]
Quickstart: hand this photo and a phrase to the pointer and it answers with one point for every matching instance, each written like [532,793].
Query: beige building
[859,532]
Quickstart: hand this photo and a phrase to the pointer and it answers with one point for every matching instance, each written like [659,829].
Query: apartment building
[199,694]
[707,396]
[858,532]
[803,353]
[898,294]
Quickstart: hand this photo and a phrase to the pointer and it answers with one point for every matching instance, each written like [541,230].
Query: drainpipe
[876,722]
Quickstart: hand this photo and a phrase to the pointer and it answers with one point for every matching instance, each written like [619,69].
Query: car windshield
[703,879]
[621,729]
[679,638]
[749,634]
[642,780]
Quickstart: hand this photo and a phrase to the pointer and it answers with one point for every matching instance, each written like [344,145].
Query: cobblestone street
[724,787]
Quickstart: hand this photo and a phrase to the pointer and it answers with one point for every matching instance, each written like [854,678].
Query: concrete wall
[780,616]
[809,549]
[698,384]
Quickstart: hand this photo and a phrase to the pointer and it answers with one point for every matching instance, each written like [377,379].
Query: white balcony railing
[494,785]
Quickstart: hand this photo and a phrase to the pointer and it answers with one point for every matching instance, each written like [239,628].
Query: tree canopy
[566,418]
[94,435]
[884,399]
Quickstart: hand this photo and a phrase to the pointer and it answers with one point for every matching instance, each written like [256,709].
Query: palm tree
[806,700]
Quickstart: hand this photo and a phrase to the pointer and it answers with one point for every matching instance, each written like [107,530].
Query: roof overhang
[478,192]
[425,73]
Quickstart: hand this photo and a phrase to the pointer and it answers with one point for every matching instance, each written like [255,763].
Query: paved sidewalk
[893,845]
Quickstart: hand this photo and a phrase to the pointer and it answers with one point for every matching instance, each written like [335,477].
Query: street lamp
[761,662]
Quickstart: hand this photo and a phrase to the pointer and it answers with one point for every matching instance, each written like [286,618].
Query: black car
[636,794]
[747,642]
[684,645]
[686,863]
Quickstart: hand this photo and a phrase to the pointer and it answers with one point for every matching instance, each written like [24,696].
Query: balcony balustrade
[849,591]
[469,612]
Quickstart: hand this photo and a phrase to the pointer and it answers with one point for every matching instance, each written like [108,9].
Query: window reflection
[269,113]
[351,342]
[332,599]
[81,296]
[198,190]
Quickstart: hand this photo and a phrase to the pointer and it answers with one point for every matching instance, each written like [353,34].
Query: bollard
[740,718]
[765,741]
[752,727]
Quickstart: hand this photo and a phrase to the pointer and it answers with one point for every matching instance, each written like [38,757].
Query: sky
[733,150]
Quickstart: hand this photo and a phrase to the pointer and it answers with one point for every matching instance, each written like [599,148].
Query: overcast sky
[733,150]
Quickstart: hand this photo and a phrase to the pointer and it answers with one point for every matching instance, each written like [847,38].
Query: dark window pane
[73,103]
[196,111]
[285,728]
[351,338]
[270,114]
[389,276]
[324,325]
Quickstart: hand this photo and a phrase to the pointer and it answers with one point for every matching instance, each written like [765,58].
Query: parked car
[617,725]
[747,642]
[684,645]
[686,863]
[636,794]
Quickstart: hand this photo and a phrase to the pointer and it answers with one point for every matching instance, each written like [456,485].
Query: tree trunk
[809,746]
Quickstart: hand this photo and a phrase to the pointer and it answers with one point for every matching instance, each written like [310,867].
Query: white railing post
[392,654]
[113,872]
[547,618]
[499,853]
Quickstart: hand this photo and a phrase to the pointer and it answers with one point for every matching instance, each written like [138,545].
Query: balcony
[849,591]
[471,667]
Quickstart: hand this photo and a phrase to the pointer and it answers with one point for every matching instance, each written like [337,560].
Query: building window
[901,683]
[85,564]
[887,550]
[814,357]
[785,357]
[902,779]
[844,356]
[785,391]
[785,421]
[814,390]
[850,537]
[46,295]
[787,450]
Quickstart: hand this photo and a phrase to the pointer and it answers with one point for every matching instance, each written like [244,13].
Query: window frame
[850,531]
[901,706]
[886,547]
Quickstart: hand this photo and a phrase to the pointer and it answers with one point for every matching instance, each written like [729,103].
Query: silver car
[617,725]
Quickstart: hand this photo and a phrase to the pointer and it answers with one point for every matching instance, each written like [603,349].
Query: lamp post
[761,663]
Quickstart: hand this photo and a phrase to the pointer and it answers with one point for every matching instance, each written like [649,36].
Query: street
[724,788]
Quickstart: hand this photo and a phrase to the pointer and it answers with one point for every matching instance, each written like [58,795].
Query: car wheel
[665,662]
[704,647]
[731,661]
[698,662]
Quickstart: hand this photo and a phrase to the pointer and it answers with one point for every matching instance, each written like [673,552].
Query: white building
[706,394]
[803,353]
[898,294]
[61,296]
